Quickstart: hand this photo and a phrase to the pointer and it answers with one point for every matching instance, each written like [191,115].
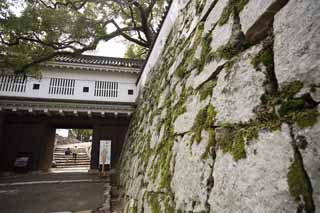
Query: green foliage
[299,183]
[136,52]
[81,134]
[39,30]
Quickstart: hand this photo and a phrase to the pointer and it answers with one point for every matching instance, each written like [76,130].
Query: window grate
[12,83]
[106,89]
[61,86]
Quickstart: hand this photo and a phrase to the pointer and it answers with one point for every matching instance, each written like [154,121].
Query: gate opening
[72,150]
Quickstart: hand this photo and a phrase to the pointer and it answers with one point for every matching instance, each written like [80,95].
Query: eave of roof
[99,63]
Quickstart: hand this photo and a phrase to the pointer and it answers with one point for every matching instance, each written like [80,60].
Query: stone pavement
[54,192]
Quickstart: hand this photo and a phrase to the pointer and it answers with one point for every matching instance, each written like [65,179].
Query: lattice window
[12,83]
[106,89]
[61,86]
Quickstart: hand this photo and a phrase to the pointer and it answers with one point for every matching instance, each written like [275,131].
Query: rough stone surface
[238,90]
[297,43]
[221,35]
[263,176]
[207,72]
[214,15]
[191,175]
[257,17]
[185,121]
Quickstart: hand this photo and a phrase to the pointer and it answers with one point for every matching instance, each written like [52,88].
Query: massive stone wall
[228,119]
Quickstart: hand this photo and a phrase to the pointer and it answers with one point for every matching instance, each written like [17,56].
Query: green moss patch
[234,137]
[299,183]
[264,57]
[206,89]
[234,6]
[204,120]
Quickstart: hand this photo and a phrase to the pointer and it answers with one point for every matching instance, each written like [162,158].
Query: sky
[112,48]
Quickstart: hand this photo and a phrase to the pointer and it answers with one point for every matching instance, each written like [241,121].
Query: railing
[66,88]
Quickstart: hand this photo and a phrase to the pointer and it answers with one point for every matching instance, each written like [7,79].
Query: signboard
[105,152]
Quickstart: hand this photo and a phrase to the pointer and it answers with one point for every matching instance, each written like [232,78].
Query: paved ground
[39,194]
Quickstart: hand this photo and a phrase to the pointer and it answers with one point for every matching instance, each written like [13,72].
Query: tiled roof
[99,60]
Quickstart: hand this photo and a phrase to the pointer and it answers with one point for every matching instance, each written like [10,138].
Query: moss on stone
[205,53]
[299,183]
[199,6]
[234,6]
[206,89]
[291,89]
[306,118]
[227,51]
[235,137]
[153,200]
[296,109]
[211,144]
[133,209]
[168,205]
[204,120]
[180,107]
[264,57]
[182,69]
[291,105]
[238,148]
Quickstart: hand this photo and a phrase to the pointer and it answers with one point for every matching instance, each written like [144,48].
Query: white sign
[105,152]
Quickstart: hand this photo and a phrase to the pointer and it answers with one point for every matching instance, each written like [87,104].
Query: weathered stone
[135,187]
[214,15]
[206,8]
[238,90]
[163,97]
[185,121]
[257,183]
[221,35]
[297,43]
[208,71]
[191,175]
[311,158]
[256,18]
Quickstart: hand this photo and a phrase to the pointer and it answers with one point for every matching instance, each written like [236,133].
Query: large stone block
[239,89]
[297,43]
[257,183]
[256,18]
[192,175]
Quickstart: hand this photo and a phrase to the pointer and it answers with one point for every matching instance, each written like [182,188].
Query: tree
[136,52]
[81,134]
[38,30]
